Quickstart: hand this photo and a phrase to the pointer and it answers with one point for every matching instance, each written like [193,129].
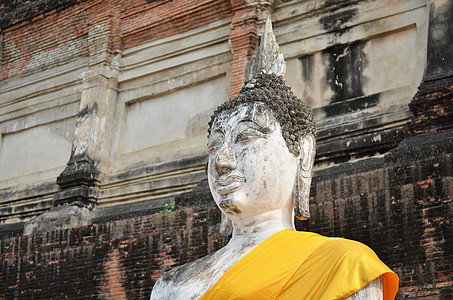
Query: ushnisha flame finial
[268,59]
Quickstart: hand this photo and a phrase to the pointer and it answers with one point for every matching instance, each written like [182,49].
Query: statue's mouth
[228,184]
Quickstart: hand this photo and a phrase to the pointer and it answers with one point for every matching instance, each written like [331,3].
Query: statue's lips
[228,184]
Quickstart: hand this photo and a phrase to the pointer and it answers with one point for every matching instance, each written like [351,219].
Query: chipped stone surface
[58,218]
[185,114]
[316,37]
[270,60]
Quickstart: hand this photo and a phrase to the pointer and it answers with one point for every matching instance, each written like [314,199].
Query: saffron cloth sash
[303,265]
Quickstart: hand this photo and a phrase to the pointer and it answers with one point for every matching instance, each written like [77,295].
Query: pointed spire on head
[268,59]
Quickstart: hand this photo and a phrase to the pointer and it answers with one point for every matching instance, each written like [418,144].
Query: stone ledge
[11,230]
[130,210]
[62,217]
[421,147]
[411,149]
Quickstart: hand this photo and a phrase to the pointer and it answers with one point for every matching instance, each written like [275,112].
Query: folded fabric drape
[303,265]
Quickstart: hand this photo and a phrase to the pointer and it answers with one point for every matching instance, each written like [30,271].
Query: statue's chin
[227,205]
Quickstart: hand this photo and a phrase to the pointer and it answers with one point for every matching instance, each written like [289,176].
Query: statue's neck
[252,231]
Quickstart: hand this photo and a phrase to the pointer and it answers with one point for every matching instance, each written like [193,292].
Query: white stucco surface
[39,149]
[180,115]
[394,52]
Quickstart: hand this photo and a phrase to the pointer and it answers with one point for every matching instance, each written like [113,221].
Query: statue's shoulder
[349,254]
[332,247]
[348,247]
[169,284]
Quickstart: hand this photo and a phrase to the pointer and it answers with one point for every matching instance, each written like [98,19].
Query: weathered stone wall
[87,92]
[38,35]
[358,65]
[107,260]
[112,98]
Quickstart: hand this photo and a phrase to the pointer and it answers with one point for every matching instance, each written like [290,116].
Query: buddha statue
[261,148]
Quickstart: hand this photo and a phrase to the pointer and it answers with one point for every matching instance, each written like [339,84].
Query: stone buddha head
[261,148]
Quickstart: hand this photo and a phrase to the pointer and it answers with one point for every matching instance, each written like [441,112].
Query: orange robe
[303,265]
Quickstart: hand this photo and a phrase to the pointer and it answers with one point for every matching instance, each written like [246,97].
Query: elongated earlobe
[301,194]
[226,227]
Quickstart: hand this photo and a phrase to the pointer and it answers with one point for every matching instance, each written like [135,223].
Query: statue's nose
[226,159]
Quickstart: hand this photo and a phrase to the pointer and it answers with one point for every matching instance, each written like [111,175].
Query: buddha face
[250,169]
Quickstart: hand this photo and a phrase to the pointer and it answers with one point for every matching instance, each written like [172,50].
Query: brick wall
[113,260]
[432,106]
[45,36]
[16,11]
[143,22]
[57,38]
[403,213]
[244,40]
[399,205]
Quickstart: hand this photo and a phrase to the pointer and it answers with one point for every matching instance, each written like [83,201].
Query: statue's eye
[248,135]
[214,145]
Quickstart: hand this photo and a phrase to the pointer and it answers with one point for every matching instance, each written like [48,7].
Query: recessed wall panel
[358,69]
[181,115]
[42,151]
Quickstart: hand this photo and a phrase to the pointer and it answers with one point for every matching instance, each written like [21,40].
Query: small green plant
[167,208]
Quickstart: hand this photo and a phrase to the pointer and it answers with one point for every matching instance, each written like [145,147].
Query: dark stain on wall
[307,63]
[351,105]
[440,39]
[335,21]
[345,72]
[345,66]
[89,110]
[15,11]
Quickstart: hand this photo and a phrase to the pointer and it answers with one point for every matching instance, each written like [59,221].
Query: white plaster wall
[37,123]
[181,115]
[167,90]
[392,62]
[42,151]
[316,88]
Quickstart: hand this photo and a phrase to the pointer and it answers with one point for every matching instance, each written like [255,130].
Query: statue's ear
[304,175]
